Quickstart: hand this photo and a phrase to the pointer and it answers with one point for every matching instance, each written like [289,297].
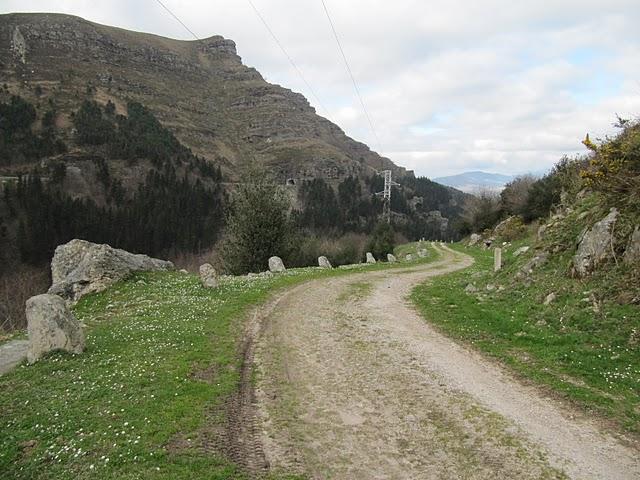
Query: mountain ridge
[223,110]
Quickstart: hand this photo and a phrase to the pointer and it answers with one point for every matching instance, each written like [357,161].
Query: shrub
[614,168]
[382,240]
[258,226]
[480,212]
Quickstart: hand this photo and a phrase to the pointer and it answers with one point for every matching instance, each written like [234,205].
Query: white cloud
[451,85]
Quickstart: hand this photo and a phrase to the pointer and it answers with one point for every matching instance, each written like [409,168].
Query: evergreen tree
[258,226]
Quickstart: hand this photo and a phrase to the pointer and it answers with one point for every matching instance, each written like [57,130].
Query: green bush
[258,226]
[382,240]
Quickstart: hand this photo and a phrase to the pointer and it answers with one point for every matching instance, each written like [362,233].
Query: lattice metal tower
[386,195]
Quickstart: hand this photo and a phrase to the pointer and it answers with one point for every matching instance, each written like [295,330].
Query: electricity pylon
[386,195]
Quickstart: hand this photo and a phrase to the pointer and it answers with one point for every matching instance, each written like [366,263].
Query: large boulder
[474,239]
[208,276]
[80,267]
[391,258]
[276,265]
[632,253]
[52,326]
[370,258]
[594,245]
[323,262]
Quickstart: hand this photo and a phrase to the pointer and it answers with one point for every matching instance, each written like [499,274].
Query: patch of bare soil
[353,384]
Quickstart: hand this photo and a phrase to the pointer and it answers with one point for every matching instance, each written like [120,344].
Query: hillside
[151,135]
[221,109]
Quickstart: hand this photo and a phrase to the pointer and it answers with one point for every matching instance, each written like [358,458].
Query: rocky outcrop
[370,258]
[632,252]
[52,326]
[80,267]
[276,265]
[208,276]
[323,262]
[595,245]
[391,258]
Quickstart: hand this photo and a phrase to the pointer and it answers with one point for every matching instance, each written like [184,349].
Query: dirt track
[353,384]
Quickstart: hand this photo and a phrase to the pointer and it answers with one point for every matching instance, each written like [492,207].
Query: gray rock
[182,270]
[537,261]
[541,231]
[408,257]
[594,246]
[549,298]
[471,288]
[490,287]
[632,252]
[80,267]
[391,258]
[370,258]
[323,262]
[208,276]
[52,326]
[276,265]
[520,251]
[474,239]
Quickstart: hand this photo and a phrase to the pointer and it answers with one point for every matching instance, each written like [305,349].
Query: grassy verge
[580,350]
[161,359]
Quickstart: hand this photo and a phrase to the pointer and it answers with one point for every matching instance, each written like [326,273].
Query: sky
[450,86]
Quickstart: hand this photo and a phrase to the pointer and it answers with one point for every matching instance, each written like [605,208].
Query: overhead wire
[176,17]
[286,54]
[353,80]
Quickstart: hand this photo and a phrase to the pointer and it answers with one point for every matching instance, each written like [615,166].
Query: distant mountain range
[472,182]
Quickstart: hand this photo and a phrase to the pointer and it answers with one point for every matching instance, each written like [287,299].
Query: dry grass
[16,287]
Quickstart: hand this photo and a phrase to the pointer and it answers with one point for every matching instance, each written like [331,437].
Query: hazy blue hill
[471,182]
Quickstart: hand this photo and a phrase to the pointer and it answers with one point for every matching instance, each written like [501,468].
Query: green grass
[585,356]
[110,412]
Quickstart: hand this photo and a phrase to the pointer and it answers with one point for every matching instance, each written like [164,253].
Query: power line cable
[293,64]
[179,21]
[353,80]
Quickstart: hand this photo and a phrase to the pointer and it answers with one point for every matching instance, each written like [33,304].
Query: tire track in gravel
[353,384]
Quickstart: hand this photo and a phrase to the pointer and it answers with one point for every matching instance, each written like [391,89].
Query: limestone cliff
[223,110]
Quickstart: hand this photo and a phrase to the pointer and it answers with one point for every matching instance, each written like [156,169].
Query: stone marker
[497,259]
[370,258]
[276,265]
[520,251]
[52,326]
[323,262]
[391,258]
[408,257]
[208,276]
[632,253]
